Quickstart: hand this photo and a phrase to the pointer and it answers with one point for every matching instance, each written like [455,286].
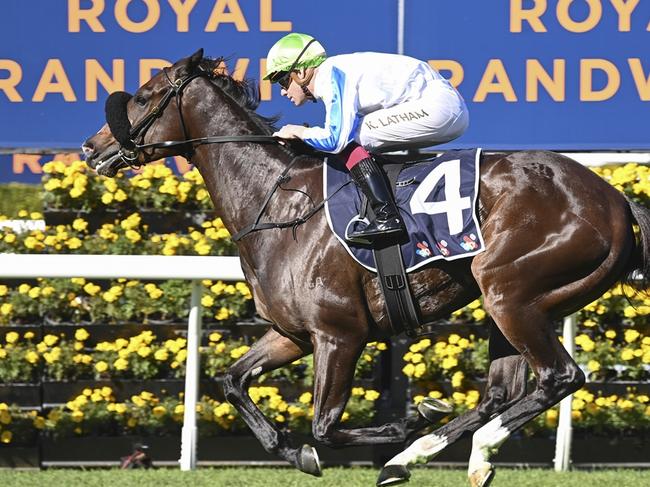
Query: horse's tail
[641,259]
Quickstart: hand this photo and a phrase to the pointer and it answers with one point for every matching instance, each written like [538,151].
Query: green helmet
[293,51]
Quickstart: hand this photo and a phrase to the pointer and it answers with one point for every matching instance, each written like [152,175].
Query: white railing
[142,267]
[564,437]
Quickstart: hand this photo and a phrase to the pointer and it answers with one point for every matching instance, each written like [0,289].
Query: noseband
[131,138]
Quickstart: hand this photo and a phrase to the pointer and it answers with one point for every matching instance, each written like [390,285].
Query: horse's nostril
[88,149]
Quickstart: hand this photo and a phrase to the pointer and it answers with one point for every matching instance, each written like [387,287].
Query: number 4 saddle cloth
[437,199]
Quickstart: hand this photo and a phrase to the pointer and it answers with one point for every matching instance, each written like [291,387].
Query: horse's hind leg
[268,353]
[557,376]
[506,385]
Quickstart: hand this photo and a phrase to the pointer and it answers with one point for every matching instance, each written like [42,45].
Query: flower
[12,337]
[6,309]
[371,395]
[159,411]
[80,224]
[161,355]
[239,351]
[631,335]
[222,314]
[31,356]
[121,364]
[305,398]
[92,289]
[81,334]
[479,314]
[593,365]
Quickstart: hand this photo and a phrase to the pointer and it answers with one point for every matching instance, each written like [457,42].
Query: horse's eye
[140,100]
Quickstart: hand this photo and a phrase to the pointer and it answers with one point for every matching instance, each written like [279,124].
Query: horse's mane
[246,94]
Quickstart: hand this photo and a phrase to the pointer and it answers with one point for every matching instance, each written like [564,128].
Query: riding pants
[438,117]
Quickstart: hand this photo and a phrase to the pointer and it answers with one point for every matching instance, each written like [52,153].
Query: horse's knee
[233,385]
[493,402]
[323,434]
[507,379]
[229,389]
[557,384]
[574,379]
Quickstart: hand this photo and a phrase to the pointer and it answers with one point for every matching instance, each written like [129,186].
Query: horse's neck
[239,176]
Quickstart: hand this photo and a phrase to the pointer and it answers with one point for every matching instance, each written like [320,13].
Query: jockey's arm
[341,119]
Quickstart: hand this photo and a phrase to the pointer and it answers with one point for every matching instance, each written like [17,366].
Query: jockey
[374,103]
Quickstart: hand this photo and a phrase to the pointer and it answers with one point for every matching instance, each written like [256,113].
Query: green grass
[333,477]
[17,196]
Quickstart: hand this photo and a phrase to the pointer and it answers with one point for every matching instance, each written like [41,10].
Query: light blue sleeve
[341,119]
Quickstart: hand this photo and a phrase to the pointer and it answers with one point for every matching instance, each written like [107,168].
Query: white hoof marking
[421,451]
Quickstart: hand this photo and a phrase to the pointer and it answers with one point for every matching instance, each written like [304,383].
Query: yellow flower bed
[97,412]
[120,300]
[126,236]
[142,356]
[75,186]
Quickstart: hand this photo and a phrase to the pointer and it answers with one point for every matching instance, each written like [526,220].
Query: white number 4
[453,205]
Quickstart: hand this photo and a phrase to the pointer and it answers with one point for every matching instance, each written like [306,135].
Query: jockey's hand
[290,132]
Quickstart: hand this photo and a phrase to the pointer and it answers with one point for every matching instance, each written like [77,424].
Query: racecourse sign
[557,74]
[563,74]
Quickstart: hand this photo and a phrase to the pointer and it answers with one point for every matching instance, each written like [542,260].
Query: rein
[283,178]
[130,149]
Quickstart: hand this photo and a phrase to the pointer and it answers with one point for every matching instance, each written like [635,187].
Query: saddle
[437,198]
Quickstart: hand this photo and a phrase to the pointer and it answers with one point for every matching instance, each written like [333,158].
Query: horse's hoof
[393,475]
[308,461]
[482,477]
[431,409]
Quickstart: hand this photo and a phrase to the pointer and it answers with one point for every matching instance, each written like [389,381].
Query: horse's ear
[195,59]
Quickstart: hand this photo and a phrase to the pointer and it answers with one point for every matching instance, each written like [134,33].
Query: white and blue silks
[384,102]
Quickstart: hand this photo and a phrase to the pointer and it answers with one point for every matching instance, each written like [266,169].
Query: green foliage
[18,361]
[17,197]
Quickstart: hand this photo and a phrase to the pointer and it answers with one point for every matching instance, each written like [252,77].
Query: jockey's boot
[370,178]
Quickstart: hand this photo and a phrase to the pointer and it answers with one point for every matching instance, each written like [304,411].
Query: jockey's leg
[439,117]
[369,177]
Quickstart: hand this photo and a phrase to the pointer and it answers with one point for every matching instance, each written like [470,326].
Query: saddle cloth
[436,198]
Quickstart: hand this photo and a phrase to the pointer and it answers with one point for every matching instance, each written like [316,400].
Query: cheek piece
[117,118]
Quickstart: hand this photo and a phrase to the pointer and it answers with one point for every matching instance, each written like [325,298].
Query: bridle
[131,138]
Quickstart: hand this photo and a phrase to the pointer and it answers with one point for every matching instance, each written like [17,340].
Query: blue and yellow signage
[555,74]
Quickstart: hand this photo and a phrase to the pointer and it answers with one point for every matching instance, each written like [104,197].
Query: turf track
[334,477]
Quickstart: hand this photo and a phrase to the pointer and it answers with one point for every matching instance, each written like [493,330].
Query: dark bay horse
[557,236]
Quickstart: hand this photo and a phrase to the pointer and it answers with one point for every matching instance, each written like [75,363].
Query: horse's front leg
[335,358]
[268,353]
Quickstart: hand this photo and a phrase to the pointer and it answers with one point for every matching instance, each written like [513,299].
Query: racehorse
[557,236]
